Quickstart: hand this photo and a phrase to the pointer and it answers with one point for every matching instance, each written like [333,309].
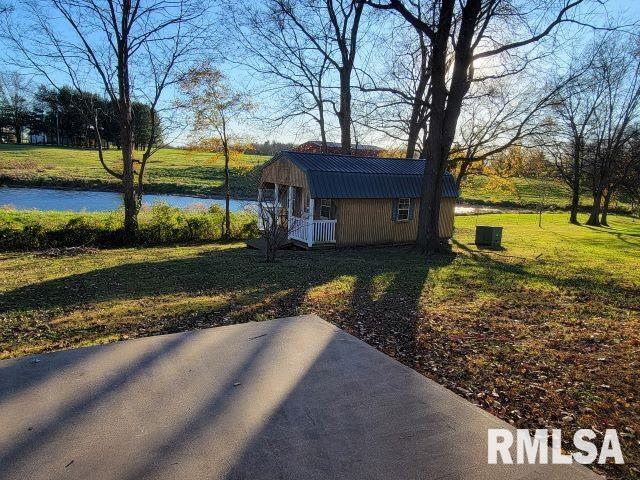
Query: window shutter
[412,204]
[394,210]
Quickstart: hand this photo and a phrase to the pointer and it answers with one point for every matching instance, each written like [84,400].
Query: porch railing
[320,231]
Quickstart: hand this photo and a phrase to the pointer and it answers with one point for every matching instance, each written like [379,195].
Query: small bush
[163,224]
[79,231]
[34,236]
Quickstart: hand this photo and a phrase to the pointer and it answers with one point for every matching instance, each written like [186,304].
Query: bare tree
[332,27]
[473,33]
[127,48]
[268,43]
[398,97]
[618,71]
[496,116]
[214,106]
[630,182]
[573,113]
[274,230]
[624,177]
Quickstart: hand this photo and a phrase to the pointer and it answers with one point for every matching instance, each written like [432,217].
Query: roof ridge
[354,156]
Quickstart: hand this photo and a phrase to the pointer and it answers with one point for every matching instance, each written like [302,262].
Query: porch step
[261,244]
[315,246]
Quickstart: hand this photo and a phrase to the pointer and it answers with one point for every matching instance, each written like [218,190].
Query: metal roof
[362,146]
[346,176]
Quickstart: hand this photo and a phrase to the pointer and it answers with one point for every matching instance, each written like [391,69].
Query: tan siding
[368,222]
[284,172]
[447,216]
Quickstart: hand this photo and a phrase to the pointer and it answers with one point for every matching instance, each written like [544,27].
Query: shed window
[325,208]
[404,204]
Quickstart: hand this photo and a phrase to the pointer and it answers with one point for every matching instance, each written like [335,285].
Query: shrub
[161,224]
[33,236]
[78,231]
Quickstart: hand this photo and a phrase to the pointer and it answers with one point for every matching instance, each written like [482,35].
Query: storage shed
[347,200]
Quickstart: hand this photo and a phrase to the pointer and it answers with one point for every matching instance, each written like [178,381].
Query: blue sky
[298,131]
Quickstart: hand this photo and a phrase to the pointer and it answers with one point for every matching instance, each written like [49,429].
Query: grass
[170,170]
[545,333]
[523,192]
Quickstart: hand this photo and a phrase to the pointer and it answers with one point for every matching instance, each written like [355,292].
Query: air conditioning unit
[488,236]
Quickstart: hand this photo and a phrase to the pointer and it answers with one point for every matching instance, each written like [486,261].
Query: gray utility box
[488,236]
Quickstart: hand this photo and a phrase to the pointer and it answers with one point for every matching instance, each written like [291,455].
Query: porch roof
[346,176]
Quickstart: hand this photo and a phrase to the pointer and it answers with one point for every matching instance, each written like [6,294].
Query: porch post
[289,209]
[310,224]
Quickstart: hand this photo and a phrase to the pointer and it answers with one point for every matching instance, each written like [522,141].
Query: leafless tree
[624,176]
[332,27]
[268,42]
[397,102]
[127,48]
[618,71]
[476,36]
[215,106]
[630,182]
[272,225]
[508,112]
[573,113]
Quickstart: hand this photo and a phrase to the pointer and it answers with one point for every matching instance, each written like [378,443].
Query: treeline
[269,148]
[68,117]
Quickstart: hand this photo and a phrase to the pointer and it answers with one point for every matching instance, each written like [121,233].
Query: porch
[308,221]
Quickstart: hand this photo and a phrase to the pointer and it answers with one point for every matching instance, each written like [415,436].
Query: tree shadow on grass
[210,272]
[616,233]
[244,288]
[586,279]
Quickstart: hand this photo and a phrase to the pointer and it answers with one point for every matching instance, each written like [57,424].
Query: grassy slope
[527,192]
[546,329]
[181,171]
[170,170]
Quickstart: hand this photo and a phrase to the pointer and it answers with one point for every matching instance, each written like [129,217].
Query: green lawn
[170,170]
[522,192]
[545,333]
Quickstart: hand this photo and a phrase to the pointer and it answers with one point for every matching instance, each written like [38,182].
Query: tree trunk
[227,195]
[594,217]
[417,119]
[464,166]
[446,104]
[131,204]
[412,139]
[605,208]
[131,200]
[575,182]
[18,133]
[323,131]
[428,236]
[575,203]
[344,115]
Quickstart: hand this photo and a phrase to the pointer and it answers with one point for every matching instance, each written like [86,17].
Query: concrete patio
[291,398]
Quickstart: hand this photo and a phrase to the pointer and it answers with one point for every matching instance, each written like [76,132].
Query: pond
[93,201]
